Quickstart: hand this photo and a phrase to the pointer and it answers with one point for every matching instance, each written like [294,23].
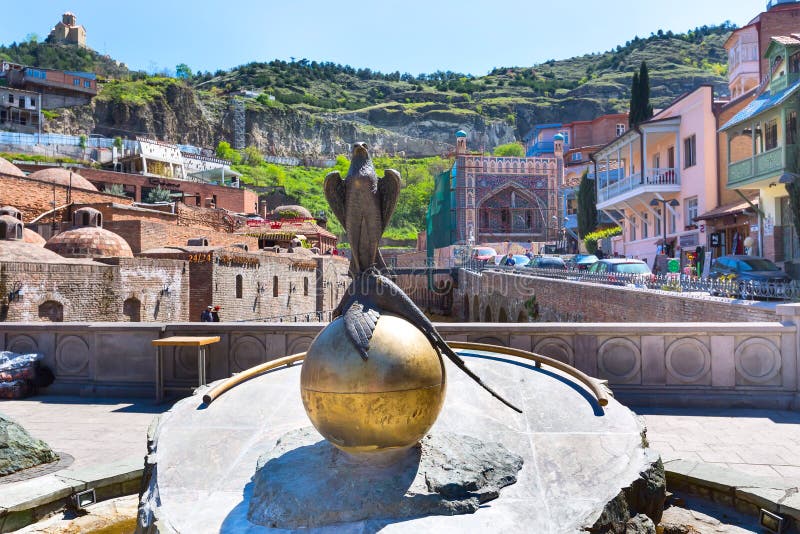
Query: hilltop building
[68,31]
[58,88]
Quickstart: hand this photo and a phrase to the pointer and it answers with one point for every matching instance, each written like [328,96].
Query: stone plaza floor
[764,443]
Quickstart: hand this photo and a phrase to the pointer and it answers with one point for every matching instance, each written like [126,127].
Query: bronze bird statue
[363,203]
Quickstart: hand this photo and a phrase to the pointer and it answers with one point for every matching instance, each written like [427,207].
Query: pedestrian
[599,253]
[508,261]
[206,316]
[215,314]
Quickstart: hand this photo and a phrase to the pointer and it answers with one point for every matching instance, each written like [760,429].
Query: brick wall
[33,197]
[562,300]
[95,291]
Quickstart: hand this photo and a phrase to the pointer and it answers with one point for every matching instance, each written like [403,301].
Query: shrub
[158,195]
[590,240]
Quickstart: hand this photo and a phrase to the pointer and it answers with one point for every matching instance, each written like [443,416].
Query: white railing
[665,176]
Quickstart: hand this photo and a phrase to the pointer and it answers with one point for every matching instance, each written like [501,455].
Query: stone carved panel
[22,345]
[246,352]
[72,357]
[489,340]
[688,360]
[185,362]
[299,344]
[758,360]
[619,360]
[555,348]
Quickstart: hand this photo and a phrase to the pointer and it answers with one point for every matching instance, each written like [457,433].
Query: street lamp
[663,202]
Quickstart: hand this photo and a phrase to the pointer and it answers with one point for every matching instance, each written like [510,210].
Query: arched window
[274,286]
[239,286]
[305,286]
[466,308]
[487,314]
[85,219]
[503,317]
[52,311]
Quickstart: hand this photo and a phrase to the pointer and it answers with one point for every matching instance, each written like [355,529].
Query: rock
[446,474]
[640,524]
[18,450]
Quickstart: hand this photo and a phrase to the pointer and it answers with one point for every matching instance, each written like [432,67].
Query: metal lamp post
[663,203]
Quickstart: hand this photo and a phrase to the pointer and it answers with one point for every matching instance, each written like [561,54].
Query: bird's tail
[463,366]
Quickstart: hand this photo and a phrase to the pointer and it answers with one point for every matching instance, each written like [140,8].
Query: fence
[22,139]
[743,289]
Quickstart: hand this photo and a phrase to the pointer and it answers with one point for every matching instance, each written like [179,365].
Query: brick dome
[29,236]
[61,176]
[89,242]
[6,167]
[292,212]
[20,251]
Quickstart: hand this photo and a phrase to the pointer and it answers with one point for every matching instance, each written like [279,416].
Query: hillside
[310,108]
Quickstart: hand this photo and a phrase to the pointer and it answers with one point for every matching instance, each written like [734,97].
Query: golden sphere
[385,403]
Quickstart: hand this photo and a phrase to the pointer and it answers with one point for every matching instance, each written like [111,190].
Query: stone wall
[689,364]
[145,235]
[121,289]
[34,197]
[501,297]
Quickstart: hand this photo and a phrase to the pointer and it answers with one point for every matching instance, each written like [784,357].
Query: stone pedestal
[583,465]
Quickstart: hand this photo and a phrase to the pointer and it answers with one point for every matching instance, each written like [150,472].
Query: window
[576,156]
[566,137]
[87,83]
[771,134]
[794,62]
[644,226]
[672,223]
[76,81]
[10,98]
[658,222]
[633,229]
[239,286]
[671,157]
[274,286]
[620,129]
[305,286]
[689,152]
[691,210]
[791,128]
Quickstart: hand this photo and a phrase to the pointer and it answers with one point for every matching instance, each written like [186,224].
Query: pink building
[656,178]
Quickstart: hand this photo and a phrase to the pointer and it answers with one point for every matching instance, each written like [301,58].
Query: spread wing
[359,322]
[388,192]
[335,194]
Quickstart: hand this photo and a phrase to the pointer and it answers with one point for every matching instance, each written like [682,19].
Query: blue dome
[461,133]
[558,137]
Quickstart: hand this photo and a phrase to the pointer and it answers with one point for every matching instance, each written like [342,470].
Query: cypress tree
[587,206]
[633,111]
[645,108]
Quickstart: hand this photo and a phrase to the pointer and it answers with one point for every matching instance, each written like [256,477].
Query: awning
[762,104]
[734,208]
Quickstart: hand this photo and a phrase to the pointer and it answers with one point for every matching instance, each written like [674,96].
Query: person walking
[206,316]
[215,314]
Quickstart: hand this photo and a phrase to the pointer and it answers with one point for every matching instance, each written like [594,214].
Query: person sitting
[215,314]
[508,261]
[206,316]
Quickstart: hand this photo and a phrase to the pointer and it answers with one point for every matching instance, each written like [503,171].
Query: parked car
[753,275]
[582,262]
[483,253]
[520,260]
[623,271]
[548,262]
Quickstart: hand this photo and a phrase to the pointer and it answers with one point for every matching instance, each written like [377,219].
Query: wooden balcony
[764,166]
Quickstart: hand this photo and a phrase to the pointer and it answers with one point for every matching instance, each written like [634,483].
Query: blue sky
[413,36]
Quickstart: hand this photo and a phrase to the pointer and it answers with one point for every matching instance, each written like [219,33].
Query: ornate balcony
[762,166]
